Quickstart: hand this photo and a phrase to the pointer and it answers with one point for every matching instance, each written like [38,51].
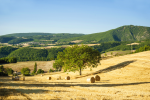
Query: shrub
[51,70]
[1,68]
[8,71]
[25,71]
[15,74]
[40,71]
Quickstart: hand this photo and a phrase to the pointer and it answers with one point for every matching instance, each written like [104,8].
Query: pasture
[122,78]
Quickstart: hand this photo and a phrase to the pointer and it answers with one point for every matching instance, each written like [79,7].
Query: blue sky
[71,16]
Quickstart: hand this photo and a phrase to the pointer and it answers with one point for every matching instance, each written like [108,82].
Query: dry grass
[122,78]
[45,65]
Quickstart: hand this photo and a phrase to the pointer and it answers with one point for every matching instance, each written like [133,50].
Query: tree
[40,71]
[111,53]
[105,54]
[25,71]
[1,68]
[8,71]
[35,68]
[58,64]
[76,58]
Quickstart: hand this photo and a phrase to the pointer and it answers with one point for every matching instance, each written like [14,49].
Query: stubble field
[122,78]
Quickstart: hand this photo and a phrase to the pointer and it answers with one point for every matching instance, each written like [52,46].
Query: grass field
[45,65]
[122,78]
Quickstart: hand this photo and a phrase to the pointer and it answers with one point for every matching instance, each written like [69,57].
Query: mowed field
[122,78]
[45,65]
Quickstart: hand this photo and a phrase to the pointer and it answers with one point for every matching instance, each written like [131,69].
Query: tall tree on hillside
[35,68]
[76,58]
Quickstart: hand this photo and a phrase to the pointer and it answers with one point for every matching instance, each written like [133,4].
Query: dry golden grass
[122,78]
[45,65]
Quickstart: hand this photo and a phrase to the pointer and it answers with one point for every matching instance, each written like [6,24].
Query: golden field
[122,78]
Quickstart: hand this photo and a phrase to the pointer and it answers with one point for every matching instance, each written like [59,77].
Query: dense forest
[30,54]
[6,50]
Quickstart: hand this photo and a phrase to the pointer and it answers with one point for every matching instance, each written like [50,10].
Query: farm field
[45,65]
[122,78]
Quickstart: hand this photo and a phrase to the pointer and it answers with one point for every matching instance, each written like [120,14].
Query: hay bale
[91,79]
[97,78]
[42,75]
[58,77]
[67,78]
[49,78]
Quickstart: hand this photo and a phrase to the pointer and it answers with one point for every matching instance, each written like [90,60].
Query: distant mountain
[16,38]
[123,33]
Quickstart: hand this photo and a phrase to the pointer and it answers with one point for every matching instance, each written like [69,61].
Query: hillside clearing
[122,78]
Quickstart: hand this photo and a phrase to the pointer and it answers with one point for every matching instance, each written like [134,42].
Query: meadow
[122,78]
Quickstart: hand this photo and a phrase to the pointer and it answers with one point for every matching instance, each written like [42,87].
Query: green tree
[105,54]
[8,71]
[111,53]
[1,68]
[40,71]
[35,68]
[58,64]
[76,58]
[25,71]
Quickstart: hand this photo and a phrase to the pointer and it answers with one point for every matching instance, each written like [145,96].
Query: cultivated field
[122,78]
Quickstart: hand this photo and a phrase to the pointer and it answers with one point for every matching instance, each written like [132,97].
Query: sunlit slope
[122,78]
[123,33]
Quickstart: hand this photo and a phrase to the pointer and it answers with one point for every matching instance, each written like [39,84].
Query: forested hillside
[36,37]
[124,33]
[30,54]
[6,50]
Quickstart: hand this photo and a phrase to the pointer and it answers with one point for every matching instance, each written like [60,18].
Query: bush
[8,71]
[25,71]
[40,71]
[1,68]
[51,70]
[15,74]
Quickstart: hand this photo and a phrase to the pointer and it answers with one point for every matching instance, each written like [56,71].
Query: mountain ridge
[123,33]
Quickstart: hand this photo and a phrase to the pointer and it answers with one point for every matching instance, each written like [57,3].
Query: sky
[71,16]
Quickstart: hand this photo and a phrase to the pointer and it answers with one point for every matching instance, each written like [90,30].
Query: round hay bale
[67,78]
[49,78]
[97,78]
[91,79]
[58,77]
[42,75]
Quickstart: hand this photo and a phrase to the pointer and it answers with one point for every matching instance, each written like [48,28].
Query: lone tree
[35,68]
[76,58]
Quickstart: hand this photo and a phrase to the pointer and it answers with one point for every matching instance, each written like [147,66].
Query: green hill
[124,33]
[16,38]
[30,54]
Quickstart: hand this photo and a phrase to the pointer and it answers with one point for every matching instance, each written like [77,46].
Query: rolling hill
[123,33]
[122,78]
